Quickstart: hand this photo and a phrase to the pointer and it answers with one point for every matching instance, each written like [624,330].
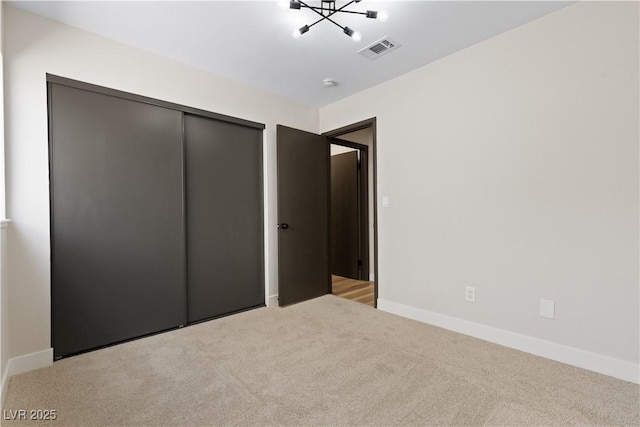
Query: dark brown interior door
[345,250]
[303,215]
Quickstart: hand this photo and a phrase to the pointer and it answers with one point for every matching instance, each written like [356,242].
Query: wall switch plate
[385,201]
[547,308]
[470,294]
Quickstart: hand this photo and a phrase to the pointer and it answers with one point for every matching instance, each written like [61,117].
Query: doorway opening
[304,210]
[352,212]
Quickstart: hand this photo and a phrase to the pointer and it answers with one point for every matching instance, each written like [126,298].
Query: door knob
[284,225]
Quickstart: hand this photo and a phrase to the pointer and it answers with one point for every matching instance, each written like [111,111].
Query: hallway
[355,290]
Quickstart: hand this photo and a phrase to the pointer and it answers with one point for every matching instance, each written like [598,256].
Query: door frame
[364,251]
[335,134]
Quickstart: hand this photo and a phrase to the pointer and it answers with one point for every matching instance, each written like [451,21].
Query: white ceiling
[251,41]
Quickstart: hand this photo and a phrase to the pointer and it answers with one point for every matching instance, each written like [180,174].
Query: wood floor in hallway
[355,290]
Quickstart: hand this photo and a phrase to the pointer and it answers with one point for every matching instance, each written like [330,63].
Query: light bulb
[383,15]
[356,36]
[283,4]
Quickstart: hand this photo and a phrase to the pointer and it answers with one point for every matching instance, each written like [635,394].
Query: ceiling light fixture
[327,9]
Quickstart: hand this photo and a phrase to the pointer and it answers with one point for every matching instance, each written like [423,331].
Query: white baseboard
[272,301]
[560,353]
[26,363]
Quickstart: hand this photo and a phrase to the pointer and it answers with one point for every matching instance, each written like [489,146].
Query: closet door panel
[118,263]
[225,271]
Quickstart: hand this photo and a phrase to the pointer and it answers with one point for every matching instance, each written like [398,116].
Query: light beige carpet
[328,361]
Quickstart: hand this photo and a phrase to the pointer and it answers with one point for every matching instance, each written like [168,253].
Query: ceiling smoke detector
[379,48]
[329,83]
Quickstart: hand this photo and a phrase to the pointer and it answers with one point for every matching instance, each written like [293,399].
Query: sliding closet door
[118,268]
[225,271]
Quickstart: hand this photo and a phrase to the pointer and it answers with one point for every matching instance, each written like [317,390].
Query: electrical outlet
[470,294]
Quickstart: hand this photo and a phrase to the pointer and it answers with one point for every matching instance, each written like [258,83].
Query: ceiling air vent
[379,48]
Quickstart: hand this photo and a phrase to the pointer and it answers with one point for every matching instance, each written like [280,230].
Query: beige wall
[35,46]
[4,301]
[512,166]
[2,175]
[338,149]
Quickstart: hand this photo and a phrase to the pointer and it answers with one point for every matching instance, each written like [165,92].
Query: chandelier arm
[319,10]
[328,19]
[319,20]
[332,12]
[313,8]
[334,22]
[341,10]
[346,5]
[351,11]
